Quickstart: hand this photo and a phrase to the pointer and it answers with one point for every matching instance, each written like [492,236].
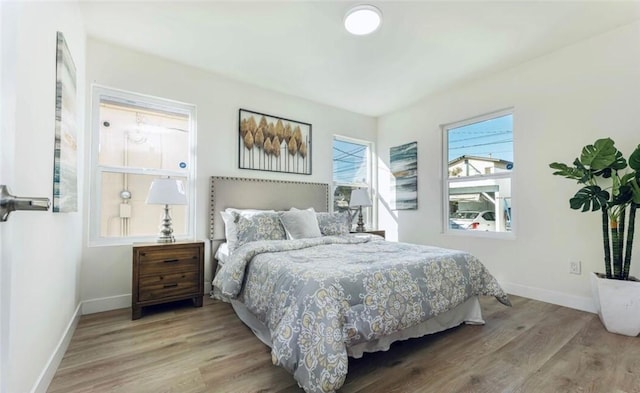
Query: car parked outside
[484,221]
[462,219]
[473,220]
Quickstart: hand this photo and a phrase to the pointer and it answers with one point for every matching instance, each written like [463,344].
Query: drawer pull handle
[171,260]
[170,285]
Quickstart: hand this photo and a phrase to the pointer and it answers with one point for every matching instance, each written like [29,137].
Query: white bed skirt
[468,312]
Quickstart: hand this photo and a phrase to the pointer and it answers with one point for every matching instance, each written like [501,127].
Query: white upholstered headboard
[245,193]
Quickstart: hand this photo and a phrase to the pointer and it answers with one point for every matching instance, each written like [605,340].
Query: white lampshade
[360,197]
[167,192]
[362,19]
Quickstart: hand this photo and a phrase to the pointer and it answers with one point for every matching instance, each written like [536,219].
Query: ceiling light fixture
[362,19]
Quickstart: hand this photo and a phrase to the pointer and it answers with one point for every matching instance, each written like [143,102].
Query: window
[135,140]
[478,159]
[352,169]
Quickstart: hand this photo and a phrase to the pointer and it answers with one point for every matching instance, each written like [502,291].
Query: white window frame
[371,174]
[499,175]
[95,203]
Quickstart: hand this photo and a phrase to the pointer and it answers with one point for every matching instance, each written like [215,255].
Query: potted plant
[610,184]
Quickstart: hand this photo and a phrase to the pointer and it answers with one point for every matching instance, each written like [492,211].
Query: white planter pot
[618,304]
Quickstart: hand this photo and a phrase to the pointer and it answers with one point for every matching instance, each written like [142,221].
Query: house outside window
[478,162]
[352,169]
[136,139]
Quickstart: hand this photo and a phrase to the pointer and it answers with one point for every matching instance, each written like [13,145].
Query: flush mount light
[362,19]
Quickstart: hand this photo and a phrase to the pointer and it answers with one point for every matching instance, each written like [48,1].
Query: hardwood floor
[531,347]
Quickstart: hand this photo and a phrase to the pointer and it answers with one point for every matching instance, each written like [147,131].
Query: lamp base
[360,227]
[166,231]
[167,239]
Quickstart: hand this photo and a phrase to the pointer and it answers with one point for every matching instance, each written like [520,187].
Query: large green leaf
[600,155]
[634,182]
[619,163]
[567,171]
[589,198]
[634,159]
[625,179]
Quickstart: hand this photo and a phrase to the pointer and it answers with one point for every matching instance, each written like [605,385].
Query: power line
[344,170]
[482,144]
[353,160]
[479,137]
[350,153]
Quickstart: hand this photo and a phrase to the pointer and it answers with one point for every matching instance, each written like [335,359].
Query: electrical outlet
[575,267]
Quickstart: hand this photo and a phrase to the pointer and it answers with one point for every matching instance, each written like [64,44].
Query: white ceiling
[302,49]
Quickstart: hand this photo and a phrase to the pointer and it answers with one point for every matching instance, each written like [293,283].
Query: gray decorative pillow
[337,223]
[259,226]
[300,224]
[230,230]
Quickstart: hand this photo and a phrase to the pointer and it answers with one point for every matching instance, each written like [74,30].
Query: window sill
[480,234]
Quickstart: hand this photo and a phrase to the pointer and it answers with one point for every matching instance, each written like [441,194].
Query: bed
[318,299]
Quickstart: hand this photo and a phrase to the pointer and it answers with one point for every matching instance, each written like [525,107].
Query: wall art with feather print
[271,143]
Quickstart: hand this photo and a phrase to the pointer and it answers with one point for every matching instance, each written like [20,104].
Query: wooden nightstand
[379,233]
[165,272]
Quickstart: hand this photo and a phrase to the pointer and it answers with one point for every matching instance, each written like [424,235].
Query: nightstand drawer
[160,255]
[156,262]
[168,285]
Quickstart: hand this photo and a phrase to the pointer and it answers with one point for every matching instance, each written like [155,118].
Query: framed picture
[404,169]
[271,143]
[65,156]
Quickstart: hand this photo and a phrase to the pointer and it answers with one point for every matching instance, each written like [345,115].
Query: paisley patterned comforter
[318,296]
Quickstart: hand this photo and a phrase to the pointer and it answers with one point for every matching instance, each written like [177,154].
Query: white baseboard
[92,306]
[47,374]
[562,299]
[544,295]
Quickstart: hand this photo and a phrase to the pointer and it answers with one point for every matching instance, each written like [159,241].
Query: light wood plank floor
[531,347]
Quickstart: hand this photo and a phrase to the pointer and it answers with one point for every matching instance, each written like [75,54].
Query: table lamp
[359,199]
[166,192]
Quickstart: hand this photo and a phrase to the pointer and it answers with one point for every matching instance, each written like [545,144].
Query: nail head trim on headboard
[248,193]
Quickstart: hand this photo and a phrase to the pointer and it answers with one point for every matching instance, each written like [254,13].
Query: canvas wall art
[65,162]
[404,172]
[271,143]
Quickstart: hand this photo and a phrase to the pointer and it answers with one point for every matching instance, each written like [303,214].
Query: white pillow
[230,230]
[300,224]
[222,254]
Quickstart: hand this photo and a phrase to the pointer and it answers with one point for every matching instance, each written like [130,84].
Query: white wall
[106,272]
[562,101]
[42,249]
